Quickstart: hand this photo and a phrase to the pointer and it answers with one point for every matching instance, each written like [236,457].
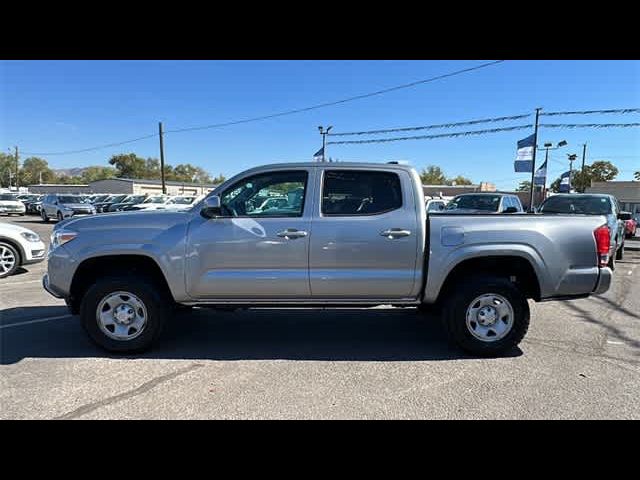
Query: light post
[324,134]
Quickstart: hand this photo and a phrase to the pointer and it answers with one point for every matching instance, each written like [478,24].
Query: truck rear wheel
[486,315]
[123,314]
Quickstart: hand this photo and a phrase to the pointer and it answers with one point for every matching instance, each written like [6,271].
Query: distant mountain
[69,172]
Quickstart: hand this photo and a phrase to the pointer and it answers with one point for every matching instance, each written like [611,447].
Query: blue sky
[52,106]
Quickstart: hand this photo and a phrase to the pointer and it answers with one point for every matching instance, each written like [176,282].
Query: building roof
[58,185]
[157,182]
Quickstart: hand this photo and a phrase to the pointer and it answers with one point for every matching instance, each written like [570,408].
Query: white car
[180,203]
[9,204]
[152,203]
[18,246]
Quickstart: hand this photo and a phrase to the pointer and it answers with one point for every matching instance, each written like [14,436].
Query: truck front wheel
[123,314]
[486,315]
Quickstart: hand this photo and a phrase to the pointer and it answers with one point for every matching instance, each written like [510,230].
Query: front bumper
[47,287]
[604,280]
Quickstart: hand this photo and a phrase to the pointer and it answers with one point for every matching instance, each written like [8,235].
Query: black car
[127,202]
[30,202]
[111,200]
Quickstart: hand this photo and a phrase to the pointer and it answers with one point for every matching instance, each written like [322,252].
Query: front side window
[271,194]
[355,192]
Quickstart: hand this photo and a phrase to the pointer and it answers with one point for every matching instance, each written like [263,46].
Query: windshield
[579,204]
[69,199]
[115,198]
[182,200]
[155,200]
[488,203]
[134,199]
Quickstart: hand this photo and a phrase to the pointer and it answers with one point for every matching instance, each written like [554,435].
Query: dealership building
[627,193]
[128,186]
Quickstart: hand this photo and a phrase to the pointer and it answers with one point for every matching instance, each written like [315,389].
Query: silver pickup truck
[340,234]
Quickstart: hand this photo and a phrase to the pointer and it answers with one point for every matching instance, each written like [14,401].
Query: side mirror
[510,210]
[211,207]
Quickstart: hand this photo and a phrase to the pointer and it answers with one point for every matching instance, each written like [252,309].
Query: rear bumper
[604,280]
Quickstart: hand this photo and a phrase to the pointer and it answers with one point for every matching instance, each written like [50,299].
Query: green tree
[603,171]
[91,174]
[581,180]
[7,169]
[525,186]
[189,173]
[459,180]
[129,165]
[34,168]
[600,171]
[221,178]
[433,175]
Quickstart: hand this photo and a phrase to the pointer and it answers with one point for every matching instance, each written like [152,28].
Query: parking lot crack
[145,387]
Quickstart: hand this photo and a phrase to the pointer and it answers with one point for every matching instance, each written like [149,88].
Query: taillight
[603,243]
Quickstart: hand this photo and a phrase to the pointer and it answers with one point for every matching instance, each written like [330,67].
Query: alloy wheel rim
[490,317]
[7,260]
[121,316]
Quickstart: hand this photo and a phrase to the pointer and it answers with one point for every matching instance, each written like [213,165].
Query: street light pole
[324,134]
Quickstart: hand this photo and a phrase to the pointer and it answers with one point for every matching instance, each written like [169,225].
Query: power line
[281,114]
[590,112]
[589,125]
[337,102]
[441,135]
[93,148]
[437,126]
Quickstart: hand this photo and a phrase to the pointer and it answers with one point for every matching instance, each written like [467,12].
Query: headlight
[62,236]
[32,237]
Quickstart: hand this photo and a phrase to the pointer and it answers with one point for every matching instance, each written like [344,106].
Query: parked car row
[62,206]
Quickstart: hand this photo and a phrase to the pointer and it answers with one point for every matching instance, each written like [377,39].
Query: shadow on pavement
[612,330]
[328,335]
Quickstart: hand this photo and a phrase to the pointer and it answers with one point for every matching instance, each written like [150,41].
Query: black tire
[158,311]
[60,217]
[620,252]
[12,251]
[460,299]
[44,216]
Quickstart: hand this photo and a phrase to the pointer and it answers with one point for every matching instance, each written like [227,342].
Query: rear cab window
[360,192]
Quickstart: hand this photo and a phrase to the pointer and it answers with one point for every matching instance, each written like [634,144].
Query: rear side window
[355,192]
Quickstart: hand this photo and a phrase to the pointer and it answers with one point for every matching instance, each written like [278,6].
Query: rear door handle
[395,233]
[292,233]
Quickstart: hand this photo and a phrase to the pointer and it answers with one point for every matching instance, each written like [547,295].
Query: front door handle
[395,233]
[292,233]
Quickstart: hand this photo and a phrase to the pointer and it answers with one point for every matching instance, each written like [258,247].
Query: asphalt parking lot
[580,360]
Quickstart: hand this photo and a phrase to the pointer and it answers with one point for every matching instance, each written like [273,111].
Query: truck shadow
[267,334]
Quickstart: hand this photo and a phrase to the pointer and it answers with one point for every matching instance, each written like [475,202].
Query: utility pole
[572,158]
[40,175]
[533,158]
[164,187]
[17,167]
[584,155]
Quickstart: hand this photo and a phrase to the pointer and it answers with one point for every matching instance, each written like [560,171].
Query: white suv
[18,246]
